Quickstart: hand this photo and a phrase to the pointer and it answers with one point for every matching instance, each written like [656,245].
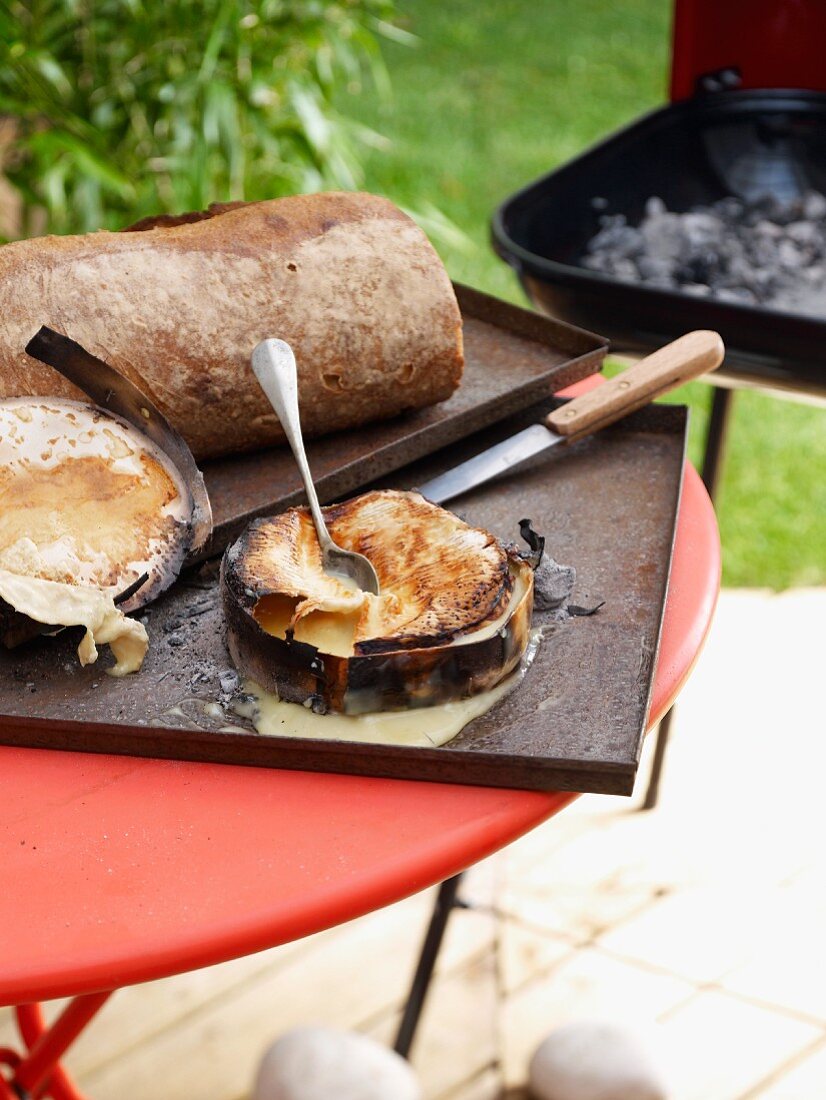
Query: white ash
[229,682]
[553,584]
[762,252]
[553,587]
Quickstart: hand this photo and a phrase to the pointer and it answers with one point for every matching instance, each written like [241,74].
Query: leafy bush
[123,108]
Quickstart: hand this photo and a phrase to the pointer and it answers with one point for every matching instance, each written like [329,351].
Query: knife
[688,357]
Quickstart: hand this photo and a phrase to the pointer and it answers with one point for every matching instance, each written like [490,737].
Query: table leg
[721,405]
[446,902]
[37,1072]
[653,789]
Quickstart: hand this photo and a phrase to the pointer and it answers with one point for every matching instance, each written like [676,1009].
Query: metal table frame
[722,404]
[35,1070]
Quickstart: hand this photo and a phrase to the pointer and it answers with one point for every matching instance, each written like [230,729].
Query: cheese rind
[451,620]
[440,578]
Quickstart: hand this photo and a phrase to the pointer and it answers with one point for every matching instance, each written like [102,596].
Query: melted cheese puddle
[55,604]
[333,630]
[424,727]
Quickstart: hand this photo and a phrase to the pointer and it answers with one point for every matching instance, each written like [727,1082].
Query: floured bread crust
[347,279]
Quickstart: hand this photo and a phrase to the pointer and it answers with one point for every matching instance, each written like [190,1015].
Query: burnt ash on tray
[764,252]
[553,584]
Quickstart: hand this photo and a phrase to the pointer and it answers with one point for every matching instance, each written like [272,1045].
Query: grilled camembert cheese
[452,619]
[88,506]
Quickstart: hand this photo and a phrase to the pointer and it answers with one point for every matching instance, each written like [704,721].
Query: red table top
[120,870]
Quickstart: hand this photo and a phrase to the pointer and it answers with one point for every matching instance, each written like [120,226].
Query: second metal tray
[513,357]
[607,505]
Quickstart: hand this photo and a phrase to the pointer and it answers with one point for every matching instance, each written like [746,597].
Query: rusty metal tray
[513,357]
[608,505]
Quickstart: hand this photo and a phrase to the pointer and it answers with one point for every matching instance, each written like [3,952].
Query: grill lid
[760,43]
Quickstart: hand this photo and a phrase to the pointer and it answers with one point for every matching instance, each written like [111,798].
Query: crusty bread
[178,304]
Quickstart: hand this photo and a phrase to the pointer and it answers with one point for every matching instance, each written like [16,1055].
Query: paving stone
[800,1080]
[587,985]
[716,1047]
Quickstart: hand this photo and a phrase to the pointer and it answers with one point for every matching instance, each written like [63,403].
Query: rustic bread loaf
[178,304]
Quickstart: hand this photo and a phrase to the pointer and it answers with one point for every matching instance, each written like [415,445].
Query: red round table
[120,870]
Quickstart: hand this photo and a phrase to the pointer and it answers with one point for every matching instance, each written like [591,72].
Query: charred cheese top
[84,498]
[440,578]
[88,505]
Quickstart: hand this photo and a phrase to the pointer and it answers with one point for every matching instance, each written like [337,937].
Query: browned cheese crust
[453,620]
[439,577]
[178,304]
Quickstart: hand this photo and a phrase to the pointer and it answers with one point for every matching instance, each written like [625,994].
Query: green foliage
[125,108]
[499,93]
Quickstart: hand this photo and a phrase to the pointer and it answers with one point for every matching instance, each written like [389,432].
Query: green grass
[497,93]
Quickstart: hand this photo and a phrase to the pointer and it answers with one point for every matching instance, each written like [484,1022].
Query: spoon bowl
[273,363]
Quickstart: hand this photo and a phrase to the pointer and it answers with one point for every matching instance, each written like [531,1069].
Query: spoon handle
[273,363]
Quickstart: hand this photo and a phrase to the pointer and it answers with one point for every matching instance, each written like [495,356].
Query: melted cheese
[99,502]
[333,630]
[439,577]
[327,620]
[57,604]
[425,727]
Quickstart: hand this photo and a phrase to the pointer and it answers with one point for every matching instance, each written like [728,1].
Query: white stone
[324,1063]
[594,1060]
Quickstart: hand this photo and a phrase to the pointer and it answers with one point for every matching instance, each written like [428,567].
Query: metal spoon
[274,365]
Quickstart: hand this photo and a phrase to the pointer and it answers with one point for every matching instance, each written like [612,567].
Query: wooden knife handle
[688,357]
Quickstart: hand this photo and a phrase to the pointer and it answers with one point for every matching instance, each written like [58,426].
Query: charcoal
[804,233]
[789,255]
[625,269]
[729,209]
[769,229]
[700,266]
[767,251]
[229,681]
[663,237]
[620,239]
[814,206]
[652,267]
[702,231]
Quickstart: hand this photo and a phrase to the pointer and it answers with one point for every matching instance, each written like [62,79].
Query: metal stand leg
[653,789]
[37,1072]
[721,404]
[446,902]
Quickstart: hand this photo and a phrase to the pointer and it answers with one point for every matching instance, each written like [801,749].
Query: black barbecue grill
[741,143]
[747,119]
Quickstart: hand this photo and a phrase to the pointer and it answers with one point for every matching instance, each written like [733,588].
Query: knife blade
[488,464]
[686,358]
